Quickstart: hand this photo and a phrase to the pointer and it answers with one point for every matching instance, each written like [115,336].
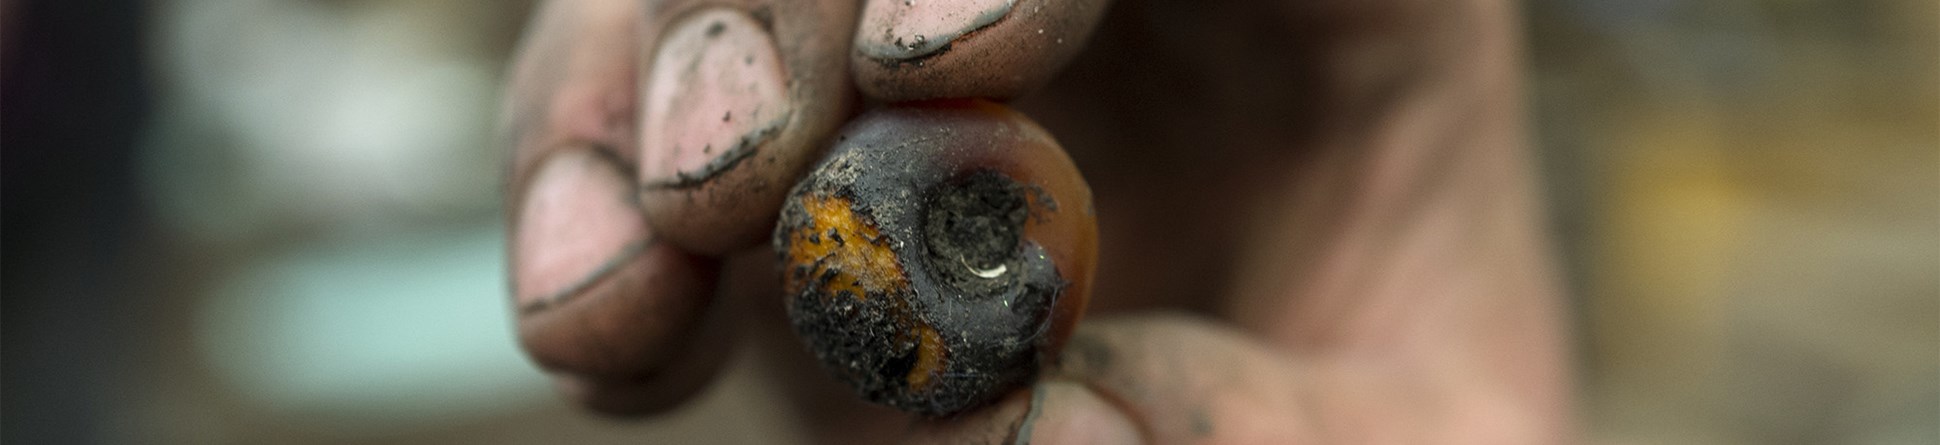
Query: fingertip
[627,320]
[715,93]
[1000,49]
[715,99]
[620,398]
[1073,414]
[599,301]
[682,376]
[1052,412]
[635,341]
[737,98]
[1189,379]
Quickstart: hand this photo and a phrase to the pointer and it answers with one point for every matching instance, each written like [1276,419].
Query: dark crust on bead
[991,329]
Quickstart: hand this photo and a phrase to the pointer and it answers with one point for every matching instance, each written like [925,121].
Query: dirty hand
[1317,219]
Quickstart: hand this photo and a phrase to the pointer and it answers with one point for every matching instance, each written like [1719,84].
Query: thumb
[1189,380]
[1149,379]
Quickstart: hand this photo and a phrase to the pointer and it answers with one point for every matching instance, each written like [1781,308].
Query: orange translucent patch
[929,357]
[838,240]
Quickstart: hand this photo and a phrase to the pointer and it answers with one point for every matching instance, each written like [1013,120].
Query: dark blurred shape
[73,96]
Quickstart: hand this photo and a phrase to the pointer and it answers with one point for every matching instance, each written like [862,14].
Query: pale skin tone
[1319,223]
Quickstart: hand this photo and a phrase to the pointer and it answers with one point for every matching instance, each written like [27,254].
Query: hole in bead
[972,228]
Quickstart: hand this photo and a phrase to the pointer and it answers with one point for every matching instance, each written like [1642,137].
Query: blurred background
[220,226]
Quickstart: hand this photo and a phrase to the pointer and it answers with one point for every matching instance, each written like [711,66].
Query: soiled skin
[1318,224]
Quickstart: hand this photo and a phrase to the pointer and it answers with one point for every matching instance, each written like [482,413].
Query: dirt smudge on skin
[1202,424]
[744,148]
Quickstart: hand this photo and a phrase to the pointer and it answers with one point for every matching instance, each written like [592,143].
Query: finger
[660,383]
[601,303]
[1186,380]
[1169,379]
[1000,49]
[572,83]
[737,98]
[1057,412]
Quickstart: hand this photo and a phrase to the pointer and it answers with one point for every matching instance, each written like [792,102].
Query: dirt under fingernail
[907,31]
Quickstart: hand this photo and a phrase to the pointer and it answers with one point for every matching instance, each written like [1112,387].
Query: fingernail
[1068,413]
[893,31]
[714,93]
[577,222]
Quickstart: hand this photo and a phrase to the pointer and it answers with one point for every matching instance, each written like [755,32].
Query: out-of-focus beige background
[1747,193]
[1750,195]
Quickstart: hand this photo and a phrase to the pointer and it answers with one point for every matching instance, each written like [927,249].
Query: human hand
[1338,191]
